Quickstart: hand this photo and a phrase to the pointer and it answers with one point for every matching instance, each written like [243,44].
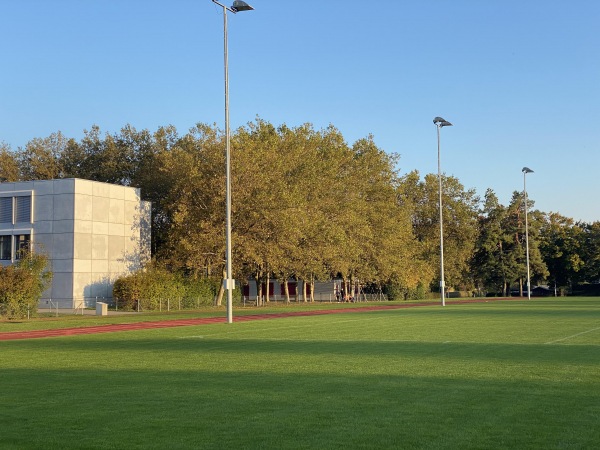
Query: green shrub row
[152,287]
[396,291]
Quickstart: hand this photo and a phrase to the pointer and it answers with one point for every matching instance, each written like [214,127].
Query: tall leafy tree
[515,254]
[9,164]
[260,199]
[590,245]
[459,212]
[388,250]
[40,159]
[488,266]
[192,206]
[560,246]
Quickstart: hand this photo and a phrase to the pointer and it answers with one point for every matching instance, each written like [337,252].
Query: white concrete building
[92,232]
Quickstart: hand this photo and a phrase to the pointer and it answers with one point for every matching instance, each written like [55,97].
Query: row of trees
[306,204]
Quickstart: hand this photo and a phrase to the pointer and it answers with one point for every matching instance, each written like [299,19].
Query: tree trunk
[267,286]
[503,271]
[286,289]
[346,289]
[521,286]
[304,286]
[259,291]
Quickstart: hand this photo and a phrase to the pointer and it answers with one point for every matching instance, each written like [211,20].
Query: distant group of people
[342,297]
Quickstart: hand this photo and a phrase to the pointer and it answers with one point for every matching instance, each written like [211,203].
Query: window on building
[6,210]
[22,245]
[5,247]
[23,209]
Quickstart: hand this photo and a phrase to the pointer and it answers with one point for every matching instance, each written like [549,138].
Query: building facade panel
[83,187]
[64,207]
[100,228]
[82,266]
[62,288]
[100,206]
[99,247]
[43,208]
[116,248]
[100,266]
[43,187]
[62,246]
[118,229]
[66,186]
[117,193]
[83,207]
[116,211]
[43,242]
[62,266]
[82,246]
[101,190]
[63,226]
[44,227]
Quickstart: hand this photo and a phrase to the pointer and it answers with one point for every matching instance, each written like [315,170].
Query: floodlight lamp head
[439,122]
[239,5]
[526,170]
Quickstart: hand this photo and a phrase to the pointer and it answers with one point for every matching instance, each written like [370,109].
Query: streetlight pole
[439,123]
[525,171]
[229,281]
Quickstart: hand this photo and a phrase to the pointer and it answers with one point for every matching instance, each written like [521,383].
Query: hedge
[22,285]
[151,287]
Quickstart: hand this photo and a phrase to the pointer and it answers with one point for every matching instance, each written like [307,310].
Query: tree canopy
[307,204]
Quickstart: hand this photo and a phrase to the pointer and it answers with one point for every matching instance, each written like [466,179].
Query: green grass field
[503,374]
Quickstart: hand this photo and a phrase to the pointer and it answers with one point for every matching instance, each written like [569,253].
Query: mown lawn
[514,374]
[46,320]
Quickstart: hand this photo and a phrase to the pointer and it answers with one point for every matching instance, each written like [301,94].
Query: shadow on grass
[191,342]
[211,408]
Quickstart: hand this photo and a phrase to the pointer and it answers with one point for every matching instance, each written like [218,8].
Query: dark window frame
[6,247]
[22,245]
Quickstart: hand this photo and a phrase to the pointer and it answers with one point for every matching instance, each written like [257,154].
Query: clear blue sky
[520,79]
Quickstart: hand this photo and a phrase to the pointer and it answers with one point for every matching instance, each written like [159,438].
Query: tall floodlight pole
[525,171]
[439,123]
[229,281]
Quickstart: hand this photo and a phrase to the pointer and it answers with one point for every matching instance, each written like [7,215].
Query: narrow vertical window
[6,210]
[22,245]
[23,209]
[5,247]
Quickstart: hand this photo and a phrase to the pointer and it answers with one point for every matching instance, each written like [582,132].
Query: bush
[396,291]
[151,288]
[22,285]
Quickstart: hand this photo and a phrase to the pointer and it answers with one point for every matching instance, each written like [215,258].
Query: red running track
[13,335]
